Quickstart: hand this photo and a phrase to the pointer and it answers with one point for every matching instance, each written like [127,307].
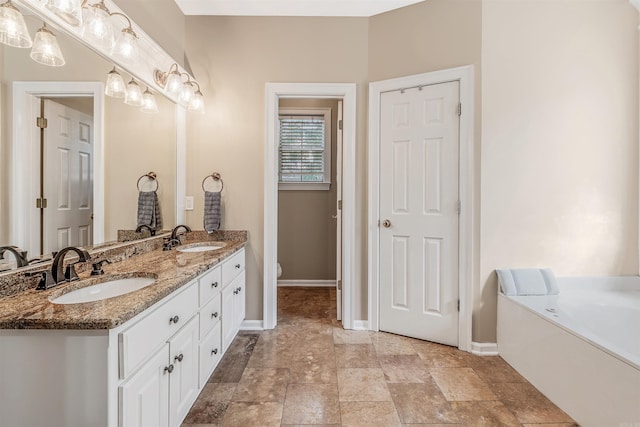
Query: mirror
[133,144]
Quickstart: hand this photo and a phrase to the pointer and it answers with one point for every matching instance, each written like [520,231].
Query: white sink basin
[103,290]
[202,247]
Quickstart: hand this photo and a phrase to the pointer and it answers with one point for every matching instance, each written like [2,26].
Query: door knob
[386,223]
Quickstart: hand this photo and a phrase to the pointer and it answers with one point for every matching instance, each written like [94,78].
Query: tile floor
[309,371]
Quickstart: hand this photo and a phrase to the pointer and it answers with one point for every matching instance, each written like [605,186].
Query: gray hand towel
[149,210]
[212,212]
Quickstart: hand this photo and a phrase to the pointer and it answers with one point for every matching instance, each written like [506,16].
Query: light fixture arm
[129,28]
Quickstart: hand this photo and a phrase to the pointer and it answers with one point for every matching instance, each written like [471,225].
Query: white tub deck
[581,348]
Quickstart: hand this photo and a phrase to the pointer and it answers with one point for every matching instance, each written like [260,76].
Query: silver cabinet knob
[214,314]
[168,368]
[178,358]
[174,319]
[237,265]
[214,285]
[214,351]
[386,223]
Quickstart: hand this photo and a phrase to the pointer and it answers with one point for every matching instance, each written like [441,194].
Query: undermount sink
[109,288]
[201,247]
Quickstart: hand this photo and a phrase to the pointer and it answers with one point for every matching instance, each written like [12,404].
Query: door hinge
[340,124]
[459,108]
[41,203]
[41,122]
[458,305]
[339,285]
[459,207]
[340,204]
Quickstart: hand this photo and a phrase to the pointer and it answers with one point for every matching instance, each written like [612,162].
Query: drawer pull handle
[214,284]
[168,368]
[214,314]
[174,319]
[214,351]
[178,358]
[237,265]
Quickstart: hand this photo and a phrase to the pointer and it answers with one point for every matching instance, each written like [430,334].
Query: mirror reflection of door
[66,173]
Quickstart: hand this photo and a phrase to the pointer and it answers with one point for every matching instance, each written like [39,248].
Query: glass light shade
[13,30]
[97,29]
[174,83]
[186,93]
[115,85]
[134,94]
[45,49]
[149,104]
[69,10]
[126,46]
[197,102]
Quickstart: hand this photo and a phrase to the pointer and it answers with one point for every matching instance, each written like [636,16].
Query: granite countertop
[31,309]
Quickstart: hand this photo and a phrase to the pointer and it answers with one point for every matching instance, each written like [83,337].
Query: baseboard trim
[252,325]
[484,348]
[307,283]
[360,325]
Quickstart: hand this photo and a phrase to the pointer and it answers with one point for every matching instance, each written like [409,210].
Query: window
[304,156]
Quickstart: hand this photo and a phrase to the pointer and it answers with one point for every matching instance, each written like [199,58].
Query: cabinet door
[183,381]
[210,353]
[228,316]
[144,398]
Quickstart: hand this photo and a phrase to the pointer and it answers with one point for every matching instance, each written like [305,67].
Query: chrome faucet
[174,233]
[19,254]
[139,229]
[56,275]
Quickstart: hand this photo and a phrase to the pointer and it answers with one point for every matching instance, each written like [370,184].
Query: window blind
[302,148]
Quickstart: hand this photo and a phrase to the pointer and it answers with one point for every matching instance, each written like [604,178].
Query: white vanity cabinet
[233,297]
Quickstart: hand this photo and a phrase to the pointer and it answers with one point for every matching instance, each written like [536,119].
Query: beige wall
[429,36]
[233,58]
[135,142]
[559,141]
[306,230]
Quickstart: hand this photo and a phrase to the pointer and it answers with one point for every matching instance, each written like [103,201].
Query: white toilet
[279,270]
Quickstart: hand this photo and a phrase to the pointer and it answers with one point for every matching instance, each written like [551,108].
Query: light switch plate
[188,203]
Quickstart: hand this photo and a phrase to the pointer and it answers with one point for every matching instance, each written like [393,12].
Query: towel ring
[216,177]
[151,176]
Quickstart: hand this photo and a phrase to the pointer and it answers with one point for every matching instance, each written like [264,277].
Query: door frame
[464,75]
[273,93]
[25,155]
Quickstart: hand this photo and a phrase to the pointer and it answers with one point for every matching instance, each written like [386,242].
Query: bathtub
[580,348]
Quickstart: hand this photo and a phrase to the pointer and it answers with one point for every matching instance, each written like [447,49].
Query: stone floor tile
[493,369]
[404,369]
[262,385]
[231,367]
[311,404]
[528,404]
[344,336]
[356,356]
[211,404]
[442,356]
[461,384]
[487,413]
[421,403]
[362,385]
[369,414]
[314,371]
[263,414]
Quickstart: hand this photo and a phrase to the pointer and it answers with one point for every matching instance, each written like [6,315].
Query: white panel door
[339,214]
[183,382]
[68,178]
[419,151]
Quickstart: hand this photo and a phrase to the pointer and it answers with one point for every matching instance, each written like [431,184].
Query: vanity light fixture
[171,81]
[13,30]
[45,49]
[134,94]
[115,85]
[126,44]
[149,102]
[97,29]
[69,10]
[186,92]
[197,101]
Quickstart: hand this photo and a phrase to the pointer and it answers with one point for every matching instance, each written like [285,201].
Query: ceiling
[363,8]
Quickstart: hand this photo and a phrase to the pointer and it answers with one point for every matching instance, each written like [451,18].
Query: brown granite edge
[114,319]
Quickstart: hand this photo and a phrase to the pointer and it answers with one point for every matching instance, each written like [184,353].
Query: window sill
[304,186]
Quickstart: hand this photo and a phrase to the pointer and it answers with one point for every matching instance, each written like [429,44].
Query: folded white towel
[527,281]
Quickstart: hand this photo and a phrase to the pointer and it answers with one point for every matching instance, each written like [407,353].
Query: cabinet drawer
[232,267]
[137,342]
[209,315]
[210,284]
[210,353]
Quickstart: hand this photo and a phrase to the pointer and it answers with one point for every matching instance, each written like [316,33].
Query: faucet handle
[97,267]
[46,280]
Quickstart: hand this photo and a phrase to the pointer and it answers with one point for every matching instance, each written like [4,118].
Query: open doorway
[26,184]
[309,190]
[275,93]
